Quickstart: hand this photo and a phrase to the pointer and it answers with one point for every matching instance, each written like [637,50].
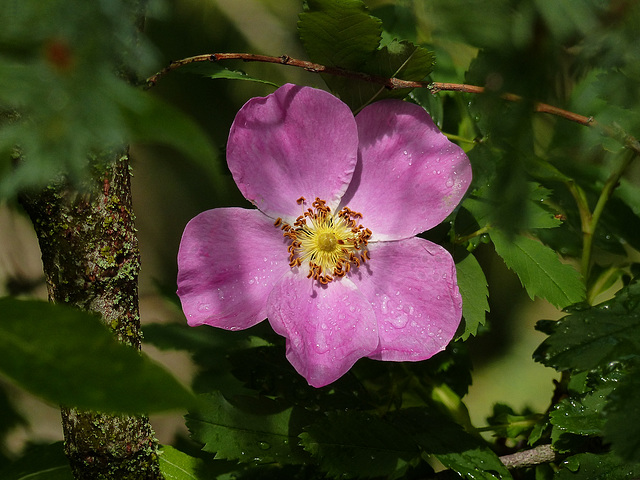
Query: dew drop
[264,445]
[383,305]
[400,321]
[322,346]
[449,183]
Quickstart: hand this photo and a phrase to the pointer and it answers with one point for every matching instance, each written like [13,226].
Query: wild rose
[330,255]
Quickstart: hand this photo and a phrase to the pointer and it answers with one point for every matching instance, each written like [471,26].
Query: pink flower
[330,255]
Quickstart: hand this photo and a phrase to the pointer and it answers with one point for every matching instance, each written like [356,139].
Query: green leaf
[216,71]
[621,412]
[339,33]
[437,435]
[539,269]
[259,431]
[358,444]
[507,423]
[176,465]
[45,462]
[69,357]
[581,415]
[473,288]
[535,214]
[591,466]
[398,59]
[595,336]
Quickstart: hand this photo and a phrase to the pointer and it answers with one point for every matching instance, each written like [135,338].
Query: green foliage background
[538,183]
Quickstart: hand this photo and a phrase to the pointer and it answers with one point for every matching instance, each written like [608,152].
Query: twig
[530,458]
[397,84]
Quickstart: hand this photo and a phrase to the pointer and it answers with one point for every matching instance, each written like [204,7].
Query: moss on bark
[91,260]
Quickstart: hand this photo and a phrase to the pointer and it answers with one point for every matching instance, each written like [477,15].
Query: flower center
[329,243]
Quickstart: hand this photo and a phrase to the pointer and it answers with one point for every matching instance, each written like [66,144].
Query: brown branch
[397,84]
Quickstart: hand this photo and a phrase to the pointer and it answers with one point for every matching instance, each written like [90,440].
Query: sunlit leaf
[216,71]
[539,269]
[176,465]
[474,291]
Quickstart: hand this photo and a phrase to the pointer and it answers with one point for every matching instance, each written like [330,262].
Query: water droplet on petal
[322,346]
[400,321]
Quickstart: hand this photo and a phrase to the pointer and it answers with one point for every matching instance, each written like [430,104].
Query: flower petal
[296,142]
[409,176]
[327,328]
[411,285]
[228,261]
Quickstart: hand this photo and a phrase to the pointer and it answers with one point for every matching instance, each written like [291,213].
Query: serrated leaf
[595,336]
[456,449]
[43,462]
[339,33]
[216,71]
[539,269]
[580,416]
[261,432]
[358,444]
[398,59]
[473,289]
[69,357]
[621,412]
[591,466]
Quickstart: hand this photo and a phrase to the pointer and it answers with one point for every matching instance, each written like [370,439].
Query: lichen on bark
[91,260]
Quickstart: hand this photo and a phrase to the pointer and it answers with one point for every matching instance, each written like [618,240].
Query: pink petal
[327,328]
[296,142]
[228,261]
[410,177]
[411,285]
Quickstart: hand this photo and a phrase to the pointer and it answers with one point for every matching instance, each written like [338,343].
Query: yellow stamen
[328,243]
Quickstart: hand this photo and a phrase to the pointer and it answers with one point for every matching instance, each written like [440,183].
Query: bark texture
[91,260]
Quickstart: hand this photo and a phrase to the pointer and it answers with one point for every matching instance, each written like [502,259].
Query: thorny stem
[396,84]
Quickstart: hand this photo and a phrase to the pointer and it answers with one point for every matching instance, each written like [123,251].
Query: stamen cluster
[330,244]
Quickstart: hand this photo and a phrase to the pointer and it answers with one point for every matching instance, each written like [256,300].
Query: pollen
[329,244]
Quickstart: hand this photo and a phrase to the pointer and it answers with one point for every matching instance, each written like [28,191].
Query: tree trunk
[91,260]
